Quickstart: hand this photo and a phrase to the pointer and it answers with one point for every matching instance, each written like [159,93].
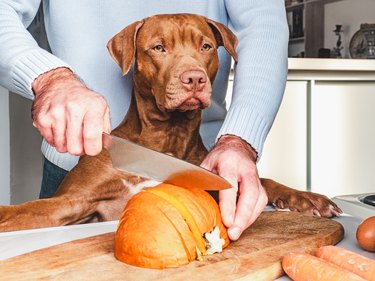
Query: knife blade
[145,162]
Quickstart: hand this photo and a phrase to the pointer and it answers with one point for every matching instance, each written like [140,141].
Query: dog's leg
[92,191]
[284,197]
[68,208]
[54,211]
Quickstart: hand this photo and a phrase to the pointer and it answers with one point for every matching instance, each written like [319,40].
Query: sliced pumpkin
[164,226]
[185,214]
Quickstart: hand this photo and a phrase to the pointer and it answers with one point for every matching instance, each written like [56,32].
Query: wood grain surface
[255,256]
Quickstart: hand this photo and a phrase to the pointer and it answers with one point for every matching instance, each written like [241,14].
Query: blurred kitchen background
[323,137]
[312,25]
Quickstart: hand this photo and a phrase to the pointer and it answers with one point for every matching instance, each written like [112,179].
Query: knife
[136,159]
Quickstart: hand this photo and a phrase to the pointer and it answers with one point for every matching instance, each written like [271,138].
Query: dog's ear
[224,37]
[122,46]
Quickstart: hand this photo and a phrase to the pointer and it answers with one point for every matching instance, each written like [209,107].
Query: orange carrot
[348,260]
[305,267]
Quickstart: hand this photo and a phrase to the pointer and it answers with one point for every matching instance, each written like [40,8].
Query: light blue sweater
[78,31]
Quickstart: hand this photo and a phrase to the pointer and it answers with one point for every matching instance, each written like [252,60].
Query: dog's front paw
[283,197]
[307,202]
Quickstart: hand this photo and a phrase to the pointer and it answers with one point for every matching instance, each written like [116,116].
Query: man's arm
[21,59]
[261,71]
[70,116]
[260,77]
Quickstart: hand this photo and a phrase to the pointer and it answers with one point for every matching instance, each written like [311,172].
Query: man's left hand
[235,160]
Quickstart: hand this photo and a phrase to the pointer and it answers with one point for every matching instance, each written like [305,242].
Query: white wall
[350,14]
[4,148]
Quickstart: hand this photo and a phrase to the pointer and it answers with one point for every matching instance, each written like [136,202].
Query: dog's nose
[193,80]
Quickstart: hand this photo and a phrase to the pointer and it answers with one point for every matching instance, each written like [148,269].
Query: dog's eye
[159,48]
[206,47]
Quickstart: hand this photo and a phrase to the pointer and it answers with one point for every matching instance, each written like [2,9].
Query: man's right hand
[69,116]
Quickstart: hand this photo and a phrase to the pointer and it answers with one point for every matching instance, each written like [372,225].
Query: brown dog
[170,90]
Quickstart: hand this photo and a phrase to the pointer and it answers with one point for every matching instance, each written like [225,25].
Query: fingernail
[234,233]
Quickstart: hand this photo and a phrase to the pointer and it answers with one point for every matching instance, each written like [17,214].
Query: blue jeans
[52,177]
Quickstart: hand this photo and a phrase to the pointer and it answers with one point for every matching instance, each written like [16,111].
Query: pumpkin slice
[145,236]
[185,214]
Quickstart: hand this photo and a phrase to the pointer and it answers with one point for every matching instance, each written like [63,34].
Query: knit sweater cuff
[29,67]
[65,161]
[248,125]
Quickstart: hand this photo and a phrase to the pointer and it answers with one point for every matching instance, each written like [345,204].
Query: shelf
[300,5]
[295,6]
[297,40]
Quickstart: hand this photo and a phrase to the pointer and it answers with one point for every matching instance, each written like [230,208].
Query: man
[79,93]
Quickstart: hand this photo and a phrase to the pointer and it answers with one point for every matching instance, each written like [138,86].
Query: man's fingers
[245,205]
[251,203]
[59,135]
[260,204]
[107,121]
[45,129]
[246,202]
[227,203]
[48,135]
[96,121]
[208,164]
[92,133]
[227,198]
[74,134]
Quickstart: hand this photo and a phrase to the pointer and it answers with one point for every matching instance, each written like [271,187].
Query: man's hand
[235,160]
[69,115]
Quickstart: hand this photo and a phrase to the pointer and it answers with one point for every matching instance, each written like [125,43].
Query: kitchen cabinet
[329,106]
[284,154]
[343,137]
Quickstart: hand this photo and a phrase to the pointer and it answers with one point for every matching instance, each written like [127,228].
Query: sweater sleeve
[260,74]
[21,59]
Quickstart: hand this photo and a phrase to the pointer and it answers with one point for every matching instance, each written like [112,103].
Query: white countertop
[307,69]
[331,64]
[19,242]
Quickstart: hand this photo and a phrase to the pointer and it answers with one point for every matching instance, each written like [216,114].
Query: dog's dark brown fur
[176,63]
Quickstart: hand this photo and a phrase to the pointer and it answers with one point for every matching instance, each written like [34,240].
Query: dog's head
[176,58]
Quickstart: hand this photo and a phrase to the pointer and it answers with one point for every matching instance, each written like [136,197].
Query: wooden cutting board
[255,256]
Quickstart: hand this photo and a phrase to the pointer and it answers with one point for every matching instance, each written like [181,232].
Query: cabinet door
[343,138]
[285,152]
[26,159]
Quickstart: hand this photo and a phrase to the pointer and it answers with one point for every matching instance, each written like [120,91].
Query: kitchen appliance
[358,205]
